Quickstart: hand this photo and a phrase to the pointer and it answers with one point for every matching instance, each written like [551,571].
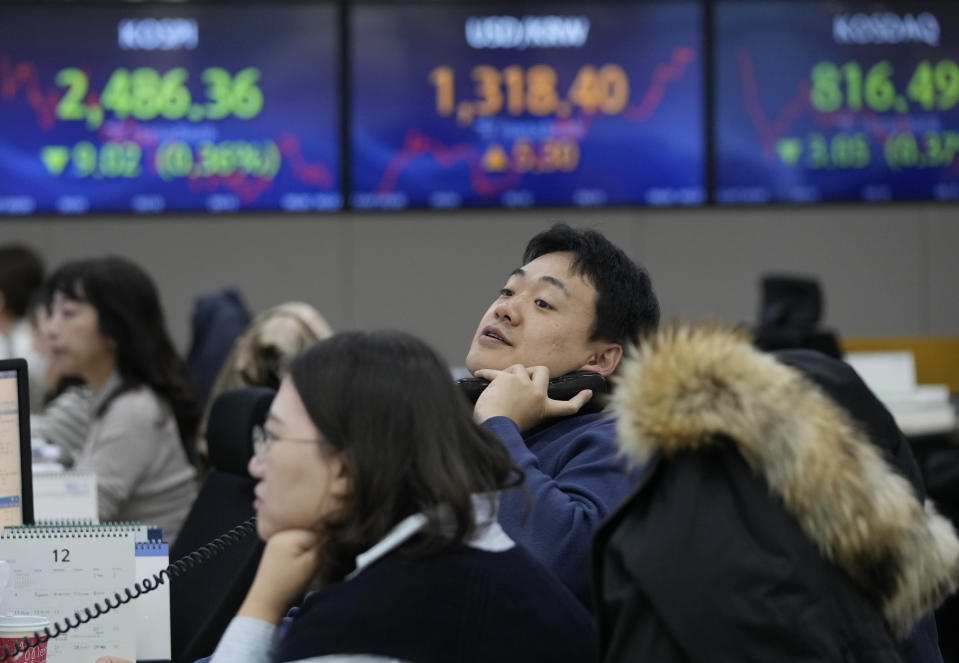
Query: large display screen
[828,101]
[521,104]
[169,107]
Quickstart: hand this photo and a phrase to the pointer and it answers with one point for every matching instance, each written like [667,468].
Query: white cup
[13,630]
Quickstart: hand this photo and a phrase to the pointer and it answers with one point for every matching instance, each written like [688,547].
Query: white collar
[488,535]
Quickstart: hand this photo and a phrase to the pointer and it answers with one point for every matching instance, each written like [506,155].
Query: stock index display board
[168,107]
[522,104]
[830,101]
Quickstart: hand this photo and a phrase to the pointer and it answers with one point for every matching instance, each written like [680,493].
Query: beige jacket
[142,470]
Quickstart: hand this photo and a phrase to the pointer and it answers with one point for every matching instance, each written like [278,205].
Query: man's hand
[113,659]
[519,393]
[289,562]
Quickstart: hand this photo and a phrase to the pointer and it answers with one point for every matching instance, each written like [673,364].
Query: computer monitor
[16,479]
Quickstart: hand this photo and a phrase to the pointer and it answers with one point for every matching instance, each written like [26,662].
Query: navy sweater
[574,479]
[466,605]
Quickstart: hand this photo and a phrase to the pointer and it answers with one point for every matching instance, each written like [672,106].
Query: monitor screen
[522,104]
[144,108]
[836,101]
[16,494]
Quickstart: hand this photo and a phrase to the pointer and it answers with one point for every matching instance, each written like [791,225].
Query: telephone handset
[560,388]
[174,570]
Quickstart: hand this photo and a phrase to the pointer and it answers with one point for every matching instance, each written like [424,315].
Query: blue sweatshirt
[575,478]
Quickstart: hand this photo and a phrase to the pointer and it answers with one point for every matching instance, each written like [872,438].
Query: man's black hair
[626,306]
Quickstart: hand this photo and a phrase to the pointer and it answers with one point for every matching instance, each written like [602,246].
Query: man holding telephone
[571,309]
[573,306]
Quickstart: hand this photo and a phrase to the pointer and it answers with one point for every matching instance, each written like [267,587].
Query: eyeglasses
[264,439]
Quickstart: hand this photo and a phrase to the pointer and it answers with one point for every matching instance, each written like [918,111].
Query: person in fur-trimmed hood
[780,517]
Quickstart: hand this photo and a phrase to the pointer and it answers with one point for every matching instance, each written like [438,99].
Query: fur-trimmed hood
[689,386]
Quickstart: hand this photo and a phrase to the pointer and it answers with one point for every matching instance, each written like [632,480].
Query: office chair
[789,315]
[203,600]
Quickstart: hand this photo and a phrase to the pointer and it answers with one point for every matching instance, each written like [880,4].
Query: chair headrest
[790,302]
[229,431]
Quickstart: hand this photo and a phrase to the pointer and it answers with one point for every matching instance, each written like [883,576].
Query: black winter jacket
[767,525]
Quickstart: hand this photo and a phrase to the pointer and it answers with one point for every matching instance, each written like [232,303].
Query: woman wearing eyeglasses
[376,486]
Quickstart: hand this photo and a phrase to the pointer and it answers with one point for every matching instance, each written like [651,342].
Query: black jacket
[767,525]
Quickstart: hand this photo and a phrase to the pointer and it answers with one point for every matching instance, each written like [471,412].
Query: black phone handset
[174,570]
[561,388]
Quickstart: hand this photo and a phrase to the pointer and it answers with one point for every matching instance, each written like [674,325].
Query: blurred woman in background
[259,355]
[106,326]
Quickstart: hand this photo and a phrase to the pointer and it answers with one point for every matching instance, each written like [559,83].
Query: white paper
[69,495]
[884,371]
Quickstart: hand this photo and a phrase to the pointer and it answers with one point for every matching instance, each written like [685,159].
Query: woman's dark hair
[411,445]
[129,312]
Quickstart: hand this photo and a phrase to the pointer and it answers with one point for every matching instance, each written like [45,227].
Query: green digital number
[818,151]
[902,151]
[247,97]
[936,150]
[853,73]
[111,160]
[132,154]
[175,98]
[941,148]
[920,88]
[77,84]
[237,157]
[825,95]
[206,160]
[850,151]
[239,96]
[117,95]
[879,90]
[218,90]
[842,151]
[227,159]
[84,158]
[931,87]
[146,93]
[947,83]
[249,158]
